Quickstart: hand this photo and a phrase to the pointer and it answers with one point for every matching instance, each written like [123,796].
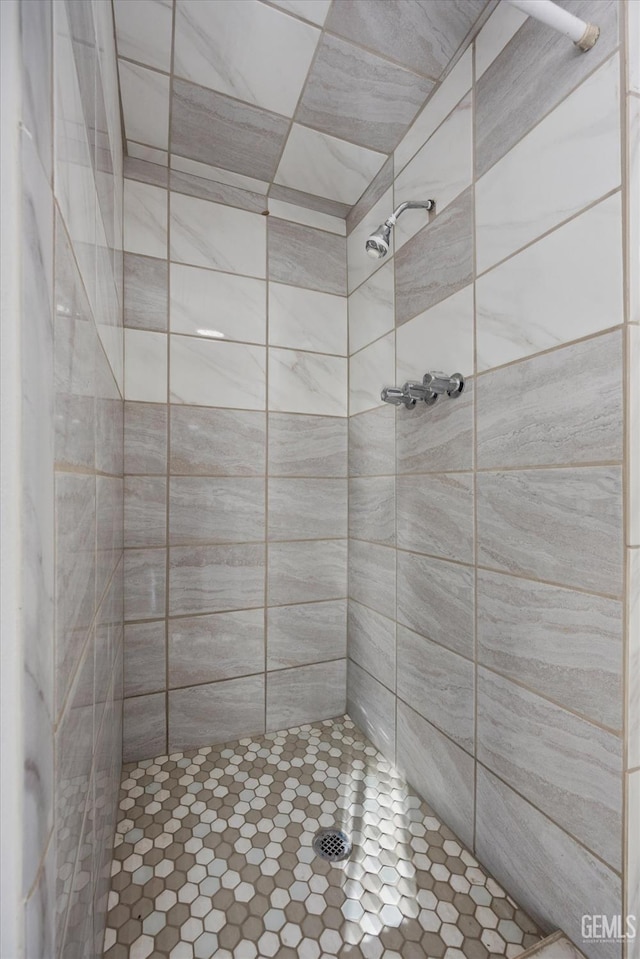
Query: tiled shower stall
[226,534]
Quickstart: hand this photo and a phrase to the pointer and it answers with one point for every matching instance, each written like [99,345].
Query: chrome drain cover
[332,844]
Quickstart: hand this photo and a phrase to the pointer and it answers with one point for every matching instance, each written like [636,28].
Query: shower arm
[409,205]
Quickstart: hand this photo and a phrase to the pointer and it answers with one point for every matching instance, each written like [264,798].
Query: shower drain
[332,844]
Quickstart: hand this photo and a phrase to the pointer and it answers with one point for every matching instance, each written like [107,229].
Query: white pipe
[583,34]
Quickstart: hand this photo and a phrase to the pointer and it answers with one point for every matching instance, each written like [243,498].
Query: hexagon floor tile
[213,857]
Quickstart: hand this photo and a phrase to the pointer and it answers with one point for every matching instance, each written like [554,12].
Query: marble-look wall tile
[452,89]
[215,442]
[441,338]
[378,186]
[307,571]
[372,442]
[564,644]
[224,132]
[440,771]
[633,845]
[211,579]
[370,370]
[307,320]
[145,663]
[372,576]
[307,445]
[359,265]
[284,210]
[539,70]
[109,529]
[210,373]
[145,577]
[554,541]
[310,202]
[436,599]
[203,649]
[581,263]
[371,309]
[145,438]
[146,164]
[372,509]
[232,48]
[307,383]
[216,510]
[208,189]
[440,171]
[438,684]
[435,514]
[567,767]
[145,104]
[145,511]
[422,37]
[373,708]
[633,659]
[239,304]
[145,219]
[436,262]
[309,633]
[554,878]
[144,727]
[527,417]
[216,712]
[145,372]
[306,257]
[313,10]
[632,429]
[549,175]
[216,236]
[316,163]
[307,508]
[501,26]
[306,694]
[144,31]
[436,438]
[371,642]
[36,33]
[353,94]
[145,292]
[218,174]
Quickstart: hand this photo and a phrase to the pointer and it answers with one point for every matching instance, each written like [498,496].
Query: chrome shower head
[377,244]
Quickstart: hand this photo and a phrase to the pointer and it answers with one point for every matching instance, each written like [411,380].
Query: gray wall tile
[307,571]
[372,514]
[435,514]
[146,297]
[562,407]
[552,539]
[438,684]
[539,70]
[436,438]
[436,599]
[145,438]
[145,172]
[376,189]
[372,442]
[215,442]
[373,708]
[439,770]
[564,644]
[216,712]
[437,261]
[145,577]
[568,768]
[553,877]
[371,642]
[307,509]
[145,511]
[215,510]
[144,727]
[212,579]
[303,256]
[145,658]
[224,132]
[203,649]
[217,192]
[356,95]
[309,201]
[306,694]
[309,633]
[372,576]
[302,445]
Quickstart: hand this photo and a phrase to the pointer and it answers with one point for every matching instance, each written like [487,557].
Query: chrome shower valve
[426,390]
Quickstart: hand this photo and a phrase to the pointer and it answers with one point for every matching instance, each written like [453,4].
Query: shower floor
[214,857]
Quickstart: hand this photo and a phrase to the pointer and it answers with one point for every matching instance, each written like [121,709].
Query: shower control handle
[397,397]
[439,383]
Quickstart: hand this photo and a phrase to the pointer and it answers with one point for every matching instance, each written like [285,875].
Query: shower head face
[377,245]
